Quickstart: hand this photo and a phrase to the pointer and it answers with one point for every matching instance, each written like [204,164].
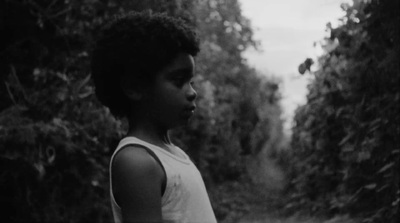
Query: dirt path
[266,198]
[271,218]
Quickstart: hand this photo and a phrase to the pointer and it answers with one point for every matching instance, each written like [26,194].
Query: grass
[245,202]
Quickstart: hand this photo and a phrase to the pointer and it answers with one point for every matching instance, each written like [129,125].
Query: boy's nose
[191,94]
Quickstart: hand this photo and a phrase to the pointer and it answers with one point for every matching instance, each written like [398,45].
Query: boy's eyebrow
[185,71]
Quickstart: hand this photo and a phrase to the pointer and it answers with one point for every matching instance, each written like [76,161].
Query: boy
[142,68]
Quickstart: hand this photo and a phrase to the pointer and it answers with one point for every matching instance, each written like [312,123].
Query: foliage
[346,138]
[55,137]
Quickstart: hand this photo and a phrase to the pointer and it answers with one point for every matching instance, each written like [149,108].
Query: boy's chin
[182,123]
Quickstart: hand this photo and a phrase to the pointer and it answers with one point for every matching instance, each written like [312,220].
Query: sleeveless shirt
[185,198]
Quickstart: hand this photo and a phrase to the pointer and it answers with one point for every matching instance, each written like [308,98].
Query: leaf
[387,166]
[346,138]
[363,155]
[83,83]
[370,186]
[50,154]
[40,169]
[348,148]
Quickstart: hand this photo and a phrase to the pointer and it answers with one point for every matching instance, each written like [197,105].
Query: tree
[56,138]
[346,144]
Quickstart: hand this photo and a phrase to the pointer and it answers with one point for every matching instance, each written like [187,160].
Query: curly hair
[140,45]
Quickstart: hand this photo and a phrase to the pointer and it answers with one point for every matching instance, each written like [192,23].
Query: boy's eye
[181,77]
[179,81]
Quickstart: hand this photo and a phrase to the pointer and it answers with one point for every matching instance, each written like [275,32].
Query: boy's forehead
[182,61]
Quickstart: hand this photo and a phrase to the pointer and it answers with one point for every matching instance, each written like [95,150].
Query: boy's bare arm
[136,182]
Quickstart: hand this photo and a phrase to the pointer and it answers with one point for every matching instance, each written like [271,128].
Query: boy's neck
[150,133]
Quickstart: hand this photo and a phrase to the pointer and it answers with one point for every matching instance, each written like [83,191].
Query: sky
[287,30]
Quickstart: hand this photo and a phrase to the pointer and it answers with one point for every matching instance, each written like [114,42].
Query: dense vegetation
[55,137]
[346,139]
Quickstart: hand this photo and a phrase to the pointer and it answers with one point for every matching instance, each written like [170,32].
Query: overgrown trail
[268,218]
[265,201]
[271,213]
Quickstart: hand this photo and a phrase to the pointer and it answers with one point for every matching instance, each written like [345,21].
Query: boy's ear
[131,88]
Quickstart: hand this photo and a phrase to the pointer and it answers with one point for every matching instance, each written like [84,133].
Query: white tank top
[185,198]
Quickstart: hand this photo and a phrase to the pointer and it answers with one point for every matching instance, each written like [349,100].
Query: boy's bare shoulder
[136,184]
[135,158]
[136,178]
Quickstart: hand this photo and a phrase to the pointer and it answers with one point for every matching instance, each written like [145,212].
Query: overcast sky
[287,30]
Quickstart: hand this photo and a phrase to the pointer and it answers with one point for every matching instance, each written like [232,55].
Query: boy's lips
[189,110]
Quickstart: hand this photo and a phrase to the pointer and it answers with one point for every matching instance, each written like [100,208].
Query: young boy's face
[172,98]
